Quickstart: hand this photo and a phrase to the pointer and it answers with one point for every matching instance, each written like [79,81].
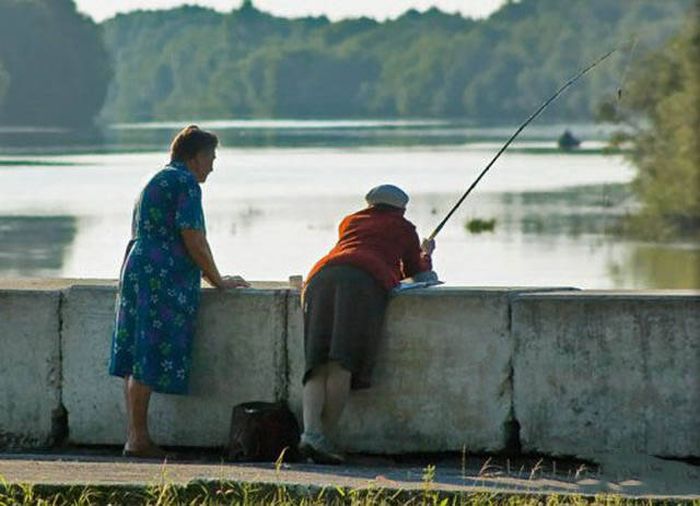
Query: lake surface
[280,188]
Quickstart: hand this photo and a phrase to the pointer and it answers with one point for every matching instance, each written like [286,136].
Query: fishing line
[623,78]
[517,132]
[629,49]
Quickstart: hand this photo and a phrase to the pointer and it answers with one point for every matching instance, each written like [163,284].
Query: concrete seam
[59,416]
[283,393]
[512,426]
[60,346]
[641,317]
[513,442]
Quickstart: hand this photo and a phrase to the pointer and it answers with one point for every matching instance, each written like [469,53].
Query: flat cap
[387,194]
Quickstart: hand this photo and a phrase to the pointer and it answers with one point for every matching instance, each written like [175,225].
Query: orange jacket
[380,241]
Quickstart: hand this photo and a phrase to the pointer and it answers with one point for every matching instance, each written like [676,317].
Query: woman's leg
[138,397]
[313,442]
[314,398]
[128,407]
[337,391]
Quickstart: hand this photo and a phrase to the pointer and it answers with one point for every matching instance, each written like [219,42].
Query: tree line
[58,67]
[194,62]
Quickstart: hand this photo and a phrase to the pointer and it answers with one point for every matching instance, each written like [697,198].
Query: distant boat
[567,141]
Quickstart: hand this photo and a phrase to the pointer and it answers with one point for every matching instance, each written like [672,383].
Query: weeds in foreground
[247,494]
[217,492]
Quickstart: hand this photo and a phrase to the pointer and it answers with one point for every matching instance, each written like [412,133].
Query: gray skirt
[344,310]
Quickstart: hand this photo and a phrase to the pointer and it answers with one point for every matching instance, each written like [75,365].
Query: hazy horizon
[100,10]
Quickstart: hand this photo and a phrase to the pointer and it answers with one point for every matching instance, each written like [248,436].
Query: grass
[245,494]
[222,492]
[216,492]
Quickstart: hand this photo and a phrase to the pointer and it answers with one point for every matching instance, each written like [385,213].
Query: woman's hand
[228,282]
[428,246]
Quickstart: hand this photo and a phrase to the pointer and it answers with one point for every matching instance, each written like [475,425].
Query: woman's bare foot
[144,451]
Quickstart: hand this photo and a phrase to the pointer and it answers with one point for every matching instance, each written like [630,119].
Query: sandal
[149,452]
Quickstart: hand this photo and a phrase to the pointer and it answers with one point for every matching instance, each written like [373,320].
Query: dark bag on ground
[260,431]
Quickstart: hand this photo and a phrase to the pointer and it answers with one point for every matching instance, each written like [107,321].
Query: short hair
[189,141]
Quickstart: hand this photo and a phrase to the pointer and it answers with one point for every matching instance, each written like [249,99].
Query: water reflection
[552,210]
[657,265]
[281,135]
[573,211]
[340,133]
[139,137]
[572,225]
[34,245]
[596,196]
[51,140]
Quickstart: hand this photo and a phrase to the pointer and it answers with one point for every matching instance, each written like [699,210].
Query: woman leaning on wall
[344,302]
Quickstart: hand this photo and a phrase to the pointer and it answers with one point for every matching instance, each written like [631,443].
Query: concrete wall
[30,396]
[581,372]
[237,357]
[604,372]
[442,379]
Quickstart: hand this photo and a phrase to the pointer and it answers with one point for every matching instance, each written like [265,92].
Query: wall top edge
[476,290]
[669,294]
[43,284]
[56,285]
[206,291]
[21,292]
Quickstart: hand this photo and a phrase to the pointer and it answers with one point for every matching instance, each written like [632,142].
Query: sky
[334,9]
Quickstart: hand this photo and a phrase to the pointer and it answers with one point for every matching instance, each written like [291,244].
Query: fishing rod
[517,132]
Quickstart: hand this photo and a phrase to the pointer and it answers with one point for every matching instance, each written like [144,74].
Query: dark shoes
[316,447]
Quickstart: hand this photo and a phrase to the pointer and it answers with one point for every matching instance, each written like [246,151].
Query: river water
[280,188]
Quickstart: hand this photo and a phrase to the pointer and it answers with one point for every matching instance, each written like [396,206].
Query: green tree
[56,60]
[660,109]
[4,82]
[195,62]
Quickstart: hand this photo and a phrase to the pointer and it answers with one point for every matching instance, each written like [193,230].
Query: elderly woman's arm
[198,248]
[417,257]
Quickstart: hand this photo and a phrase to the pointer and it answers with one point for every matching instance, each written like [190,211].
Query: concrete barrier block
[93,399]
[238,357]
[30,368]
[442,379]
[606,372]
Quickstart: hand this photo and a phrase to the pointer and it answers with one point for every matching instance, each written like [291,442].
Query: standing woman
[160,283]
[344,303]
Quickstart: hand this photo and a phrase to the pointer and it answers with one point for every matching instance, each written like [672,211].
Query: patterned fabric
[381,242]
[159,285]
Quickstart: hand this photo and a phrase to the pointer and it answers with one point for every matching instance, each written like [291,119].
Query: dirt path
[363,472]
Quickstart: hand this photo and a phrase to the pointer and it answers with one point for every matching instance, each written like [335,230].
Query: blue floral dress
[159,285]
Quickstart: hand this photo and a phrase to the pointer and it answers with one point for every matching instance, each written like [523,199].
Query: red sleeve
[414,260]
